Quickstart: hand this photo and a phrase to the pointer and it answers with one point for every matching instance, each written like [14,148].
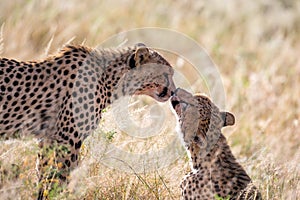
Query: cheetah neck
[218,159]
[219,166]
[112,67]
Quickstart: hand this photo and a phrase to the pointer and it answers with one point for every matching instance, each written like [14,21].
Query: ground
[255,46]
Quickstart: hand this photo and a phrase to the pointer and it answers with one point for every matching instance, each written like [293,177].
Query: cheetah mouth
[174,103]
[163,93]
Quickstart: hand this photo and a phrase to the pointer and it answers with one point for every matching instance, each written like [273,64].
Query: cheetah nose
[173,93]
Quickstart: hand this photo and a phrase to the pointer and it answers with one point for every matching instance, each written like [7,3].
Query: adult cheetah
[59,100]
[215,171]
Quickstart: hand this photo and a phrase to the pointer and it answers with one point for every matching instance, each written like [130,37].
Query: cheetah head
[149,74]
[200,121]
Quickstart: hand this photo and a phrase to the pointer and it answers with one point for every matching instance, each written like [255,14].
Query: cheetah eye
[132,62]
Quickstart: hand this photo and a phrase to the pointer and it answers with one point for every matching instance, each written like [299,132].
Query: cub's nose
[175,92]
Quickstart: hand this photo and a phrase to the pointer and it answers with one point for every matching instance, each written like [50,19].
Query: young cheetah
[215,171]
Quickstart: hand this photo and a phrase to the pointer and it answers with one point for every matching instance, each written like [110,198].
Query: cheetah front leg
[55,161]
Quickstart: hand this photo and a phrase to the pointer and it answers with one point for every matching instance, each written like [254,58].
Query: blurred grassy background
[256,45]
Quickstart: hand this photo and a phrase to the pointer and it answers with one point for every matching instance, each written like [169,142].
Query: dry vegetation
[256,46]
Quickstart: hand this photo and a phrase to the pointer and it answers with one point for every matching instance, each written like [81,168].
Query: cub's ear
[139,57]
[228,118]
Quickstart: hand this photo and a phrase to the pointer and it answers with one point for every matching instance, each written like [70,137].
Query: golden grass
[256,47]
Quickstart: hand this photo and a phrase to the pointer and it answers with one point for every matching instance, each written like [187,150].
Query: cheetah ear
[228,118]
[139,57]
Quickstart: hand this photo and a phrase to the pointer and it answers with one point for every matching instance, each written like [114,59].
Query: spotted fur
[59,100]
[215,171]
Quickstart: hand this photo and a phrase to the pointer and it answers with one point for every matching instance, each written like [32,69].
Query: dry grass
[256,46]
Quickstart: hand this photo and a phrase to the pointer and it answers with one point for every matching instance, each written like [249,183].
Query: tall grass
[255,45]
